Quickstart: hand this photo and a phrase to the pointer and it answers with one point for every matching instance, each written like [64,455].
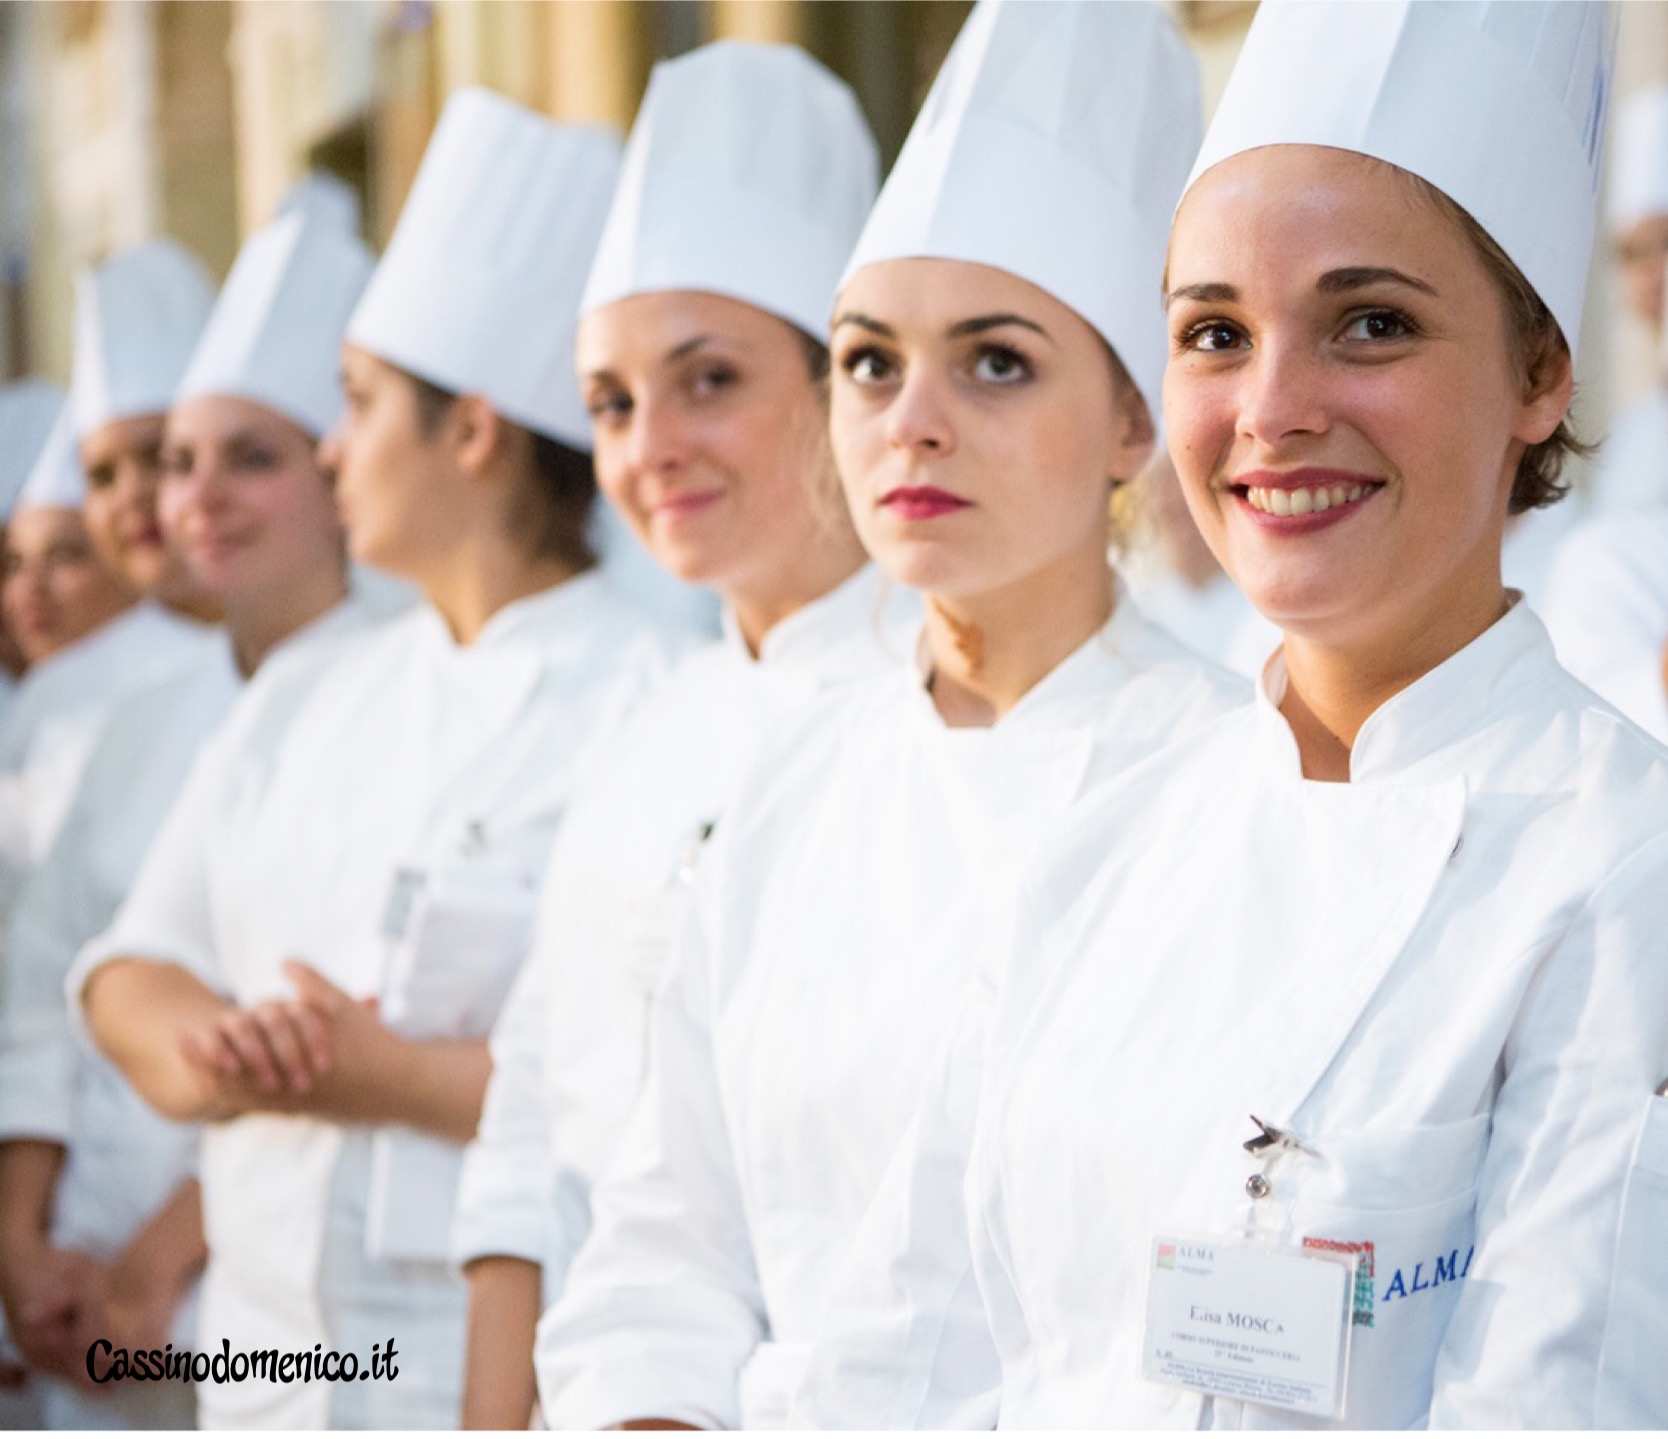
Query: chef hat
[56,481]
[322,194]
[1501,106]
[275,336]
[1053,145]
[479,289]
[748,173]
[137,319]
[28,410]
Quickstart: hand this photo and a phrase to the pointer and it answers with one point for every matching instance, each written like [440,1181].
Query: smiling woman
[1407,909]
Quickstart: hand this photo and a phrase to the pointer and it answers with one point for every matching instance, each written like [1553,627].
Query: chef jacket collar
[1439,708]
[528,622]
[1128,639]
[846,619]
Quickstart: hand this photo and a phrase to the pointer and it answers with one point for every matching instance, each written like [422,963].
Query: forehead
[1291,213]
[209,417]
[643,329]
[927,295]
[34,529]
[134,435]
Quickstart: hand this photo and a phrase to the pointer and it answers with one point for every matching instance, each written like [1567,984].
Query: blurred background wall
[120,119]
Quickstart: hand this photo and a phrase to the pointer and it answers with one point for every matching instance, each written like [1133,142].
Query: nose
[1283,392]
[327,454]
[656,442]
[917,419]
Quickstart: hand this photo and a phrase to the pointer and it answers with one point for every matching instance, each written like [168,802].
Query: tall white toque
[749,173]
[1639,160]
[325,195]
[56,480]
[28,410]
[137,319]
[1053,145]
[479,289]
[275,336]
[1500,104]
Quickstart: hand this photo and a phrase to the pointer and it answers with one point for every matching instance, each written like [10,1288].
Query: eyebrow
[962,328]
[688,347]
[1358,277]
[1333,282]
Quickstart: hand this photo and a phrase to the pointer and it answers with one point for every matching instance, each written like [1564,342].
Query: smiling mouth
[1305,499]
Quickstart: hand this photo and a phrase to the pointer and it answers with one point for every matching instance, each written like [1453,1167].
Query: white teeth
[1303,501]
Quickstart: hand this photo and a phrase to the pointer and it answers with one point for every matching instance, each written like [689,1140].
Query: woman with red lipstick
[991,387]
[96,1191]
[702,359]
[1407,911]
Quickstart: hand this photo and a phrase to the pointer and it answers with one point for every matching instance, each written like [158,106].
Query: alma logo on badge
[1361,1301]
[1166,1256]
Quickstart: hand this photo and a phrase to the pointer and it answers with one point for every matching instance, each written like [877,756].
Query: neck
[481,575]
[258,624]
[817,570]
[989,651]
[1332,690]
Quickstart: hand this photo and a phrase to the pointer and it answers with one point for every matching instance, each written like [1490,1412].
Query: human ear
[1135,436]
[1551,390]
[477,433]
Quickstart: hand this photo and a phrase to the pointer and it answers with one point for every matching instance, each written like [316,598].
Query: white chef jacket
[569,1047]
[831,939]
[1607,609]
[386,824]
[1631,471]
[124,1161]
[1443,979]
[60,710]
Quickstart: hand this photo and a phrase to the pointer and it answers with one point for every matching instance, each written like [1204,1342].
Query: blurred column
[598,54]
[782,21]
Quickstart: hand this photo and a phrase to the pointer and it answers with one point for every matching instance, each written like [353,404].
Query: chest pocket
[457,938]
[1405,1201]
[1633,1388]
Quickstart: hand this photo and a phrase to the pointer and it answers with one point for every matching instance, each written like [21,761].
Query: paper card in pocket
[413,1192]
[451,970]
[1239,1319]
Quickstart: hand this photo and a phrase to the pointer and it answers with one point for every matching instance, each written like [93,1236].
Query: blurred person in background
[27,412]
[703,361]
[97,1193]
[996,350]
[1607,598]
[321,936]
[137,319]
[54,590]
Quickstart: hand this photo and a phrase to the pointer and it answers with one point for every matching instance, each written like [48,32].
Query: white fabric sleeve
[505,1203]
[1541,1300]
[168,915]
[39,1048]
[663,1305]
[905,1343]
[1606,628]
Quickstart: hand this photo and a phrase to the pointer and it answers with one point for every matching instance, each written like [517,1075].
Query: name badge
[403,893]
[1266,1324]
